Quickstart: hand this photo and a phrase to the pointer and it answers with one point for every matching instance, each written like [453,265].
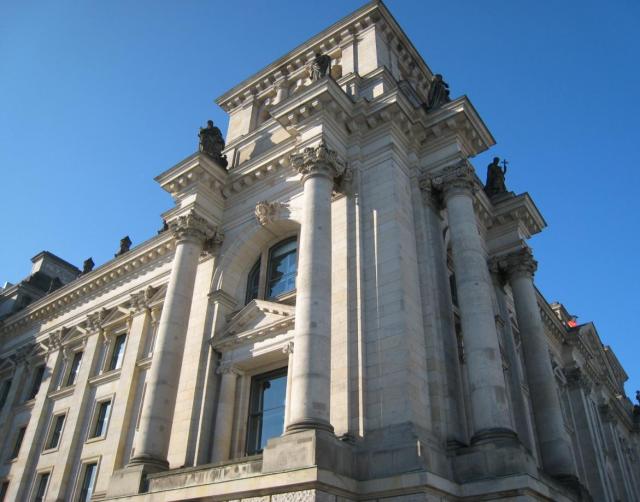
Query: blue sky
[96,98]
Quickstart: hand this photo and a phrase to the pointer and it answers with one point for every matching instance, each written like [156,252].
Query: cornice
[519,208]
[93,283]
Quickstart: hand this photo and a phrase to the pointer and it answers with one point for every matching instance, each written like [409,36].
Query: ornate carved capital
[95,319]
[460,177]
[22,354]
[228,368]
[140,301]
[430,196]
[267,212]
[519,263]
[607,413]
[577,379]
[318,161]
[192,227]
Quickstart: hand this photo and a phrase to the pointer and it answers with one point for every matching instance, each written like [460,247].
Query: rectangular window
[4,392]
[55,432]
[73,369]
[4,487]
[17,444]
[41,487]
[102,419]
[266,409]
[88,482]
[38,374]
[118,352]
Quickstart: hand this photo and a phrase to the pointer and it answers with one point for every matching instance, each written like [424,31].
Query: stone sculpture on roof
[212,143]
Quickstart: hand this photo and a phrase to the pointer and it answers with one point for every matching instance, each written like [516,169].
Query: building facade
[337,309]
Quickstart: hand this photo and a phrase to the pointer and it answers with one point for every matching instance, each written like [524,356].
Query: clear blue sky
[97,97]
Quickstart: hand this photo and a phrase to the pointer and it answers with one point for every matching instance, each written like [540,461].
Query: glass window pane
[75,367]
[283,265]
[118,352]
[56,431]
[18,443]
[41,490]
[253,283]
[88,482]
[103,416]
[37,380]
[266,413]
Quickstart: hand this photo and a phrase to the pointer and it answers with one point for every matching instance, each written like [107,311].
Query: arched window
[274,274]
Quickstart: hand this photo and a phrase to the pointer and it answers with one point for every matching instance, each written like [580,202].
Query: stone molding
[318,161]
[516,264]
[191,227]
[267,212]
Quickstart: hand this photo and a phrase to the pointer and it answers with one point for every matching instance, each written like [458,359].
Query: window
[38,374]
[280,266]
[253,283]
[88,482]
[266,409]
[4,392]
[17,444]
[4,487]
[56,431]
[73,369]
[101,420]
[283,265]
[41,487]
[115,361]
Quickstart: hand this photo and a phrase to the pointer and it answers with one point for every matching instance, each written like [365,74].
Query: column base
[309,424]
[307,448]
[132,479]
[497,433]
[159,463]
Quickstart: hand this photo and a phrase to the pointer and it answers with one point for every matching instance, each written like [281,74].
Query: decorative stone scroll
[318,161]
[267,212]
[191,226]
[228,368]
[288,348]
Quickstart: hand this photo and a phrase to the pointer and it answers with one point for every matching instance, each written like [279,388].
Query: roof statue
[212,143]
[495,178]
[320,66]
[87,265]
[438,93]
[125,244]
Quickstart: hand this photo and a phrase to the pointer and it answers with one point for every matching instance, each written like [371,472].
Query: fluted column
[224,413]
[554,442]
[311,372]
[489,405]
[152,439]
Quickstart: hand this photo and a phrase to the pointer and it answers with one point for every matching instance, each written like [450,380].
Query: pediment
[257,316]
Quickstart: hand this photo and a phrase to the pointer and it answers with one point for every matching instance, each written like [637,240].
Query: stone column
[311,372]
[152,439]
[288,350]
[554,442]
[224,413]
[489,405]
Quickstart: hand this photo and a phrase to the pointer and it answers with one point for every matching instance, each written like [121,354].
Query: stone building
[337,309]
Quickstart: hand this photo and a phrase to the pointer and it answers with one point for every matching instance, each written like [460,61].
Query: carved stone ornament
[267,212]
[191,226]
[438,93]
[22,354]
[288,348]
[95,319]
[518,263]
[455,178]
[212,143]
[576,378]
[228,369]
[125,245]
[319,67]
[318,161]
[140,300]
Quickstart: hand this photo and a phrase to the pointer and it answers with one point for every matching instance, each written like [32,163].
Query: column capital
[191,227]
[518,263]
[577,378]
[455,179]
[288,348]
[318,161]
[228,368]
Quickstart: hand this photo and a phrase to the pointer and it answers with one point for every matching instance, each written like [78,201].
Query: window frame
[95,415]
[262,266]
[69,366]
[18,437]
[36,483]
[84,463]
[50,431]
[114,337]
[37,374]
[253,436]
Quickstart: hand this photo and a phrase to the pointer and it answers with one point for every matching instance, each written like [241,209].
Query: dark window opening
[253,283]
[283,266]
[88,482]
[18,443]
[118,352]
[102,419]
[41,489]
[73,370]
[36,382]
[56,432]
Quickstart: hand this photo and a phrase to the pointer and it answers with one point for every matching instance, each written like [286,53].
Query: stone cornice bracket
[191,227]
[318,161]
[430,196]
[54,341]
[454,179]
[228,368]
[267,212]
